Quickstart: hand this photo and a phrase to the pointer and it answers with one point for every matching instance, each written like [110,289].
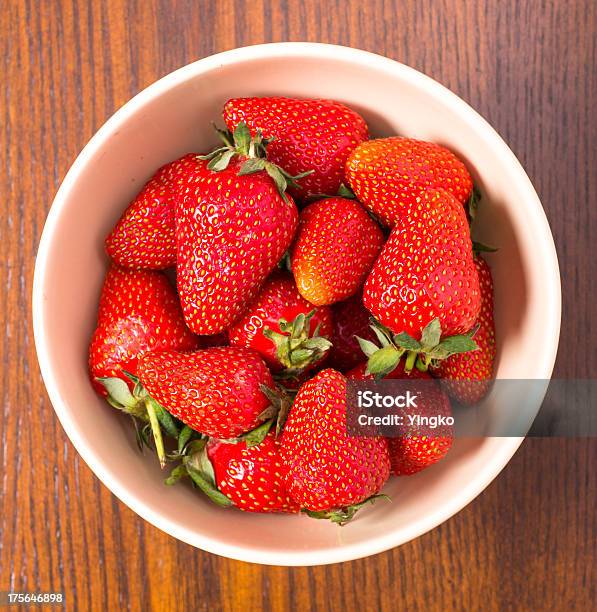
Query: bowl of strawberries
[204,300]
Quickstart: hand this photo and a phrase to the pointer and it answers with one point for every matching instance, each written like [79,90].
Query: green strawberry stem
[296,348]
[428,352]
[423,362]
[242,144]
[156,430]
[142,407]
[411,358]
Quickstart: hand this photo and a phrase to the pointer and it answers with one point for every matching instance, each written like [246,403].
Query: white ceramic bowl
[172,117]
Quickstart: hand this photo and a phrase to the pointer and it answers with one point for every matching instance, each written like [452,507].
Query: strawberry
[335,247]
[144,236]
[307,135]
[233,226]
[330,474]
[351,319]
[138,312]
[412,453]
[217,391]
[285,329]
[251,476]
[426,270]
[467,376]
[388,175]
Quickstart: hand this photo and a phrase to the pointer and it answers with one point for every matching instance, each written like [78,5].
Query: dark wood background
[528,542]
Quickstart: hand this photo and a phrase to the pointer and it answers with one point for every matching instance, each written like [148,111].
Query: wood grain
[528,542]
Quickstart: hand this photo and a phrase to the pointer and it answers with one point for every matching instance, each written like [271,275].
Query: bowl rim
[387,540]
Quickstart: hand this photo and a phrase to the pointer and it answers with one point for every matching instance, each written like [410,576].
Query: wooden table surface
[528,542]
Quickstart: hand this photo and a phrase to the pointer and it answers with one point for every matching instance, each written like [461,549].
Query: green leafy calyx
[341,516]
[149,416]
[296,348]
[432,348]
[281,402]
[253,149]
[197,466]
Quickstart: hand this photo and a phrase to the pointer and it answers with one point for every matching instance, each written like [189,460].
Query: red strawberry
[315,135]
[233,226]
[327,469]
[138,312]
[217,391]
[279,327]
[388,174]
[426,270]
[335,247]
[468,375]
[144,235]
[351,319]
[412,453]
[252,477]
